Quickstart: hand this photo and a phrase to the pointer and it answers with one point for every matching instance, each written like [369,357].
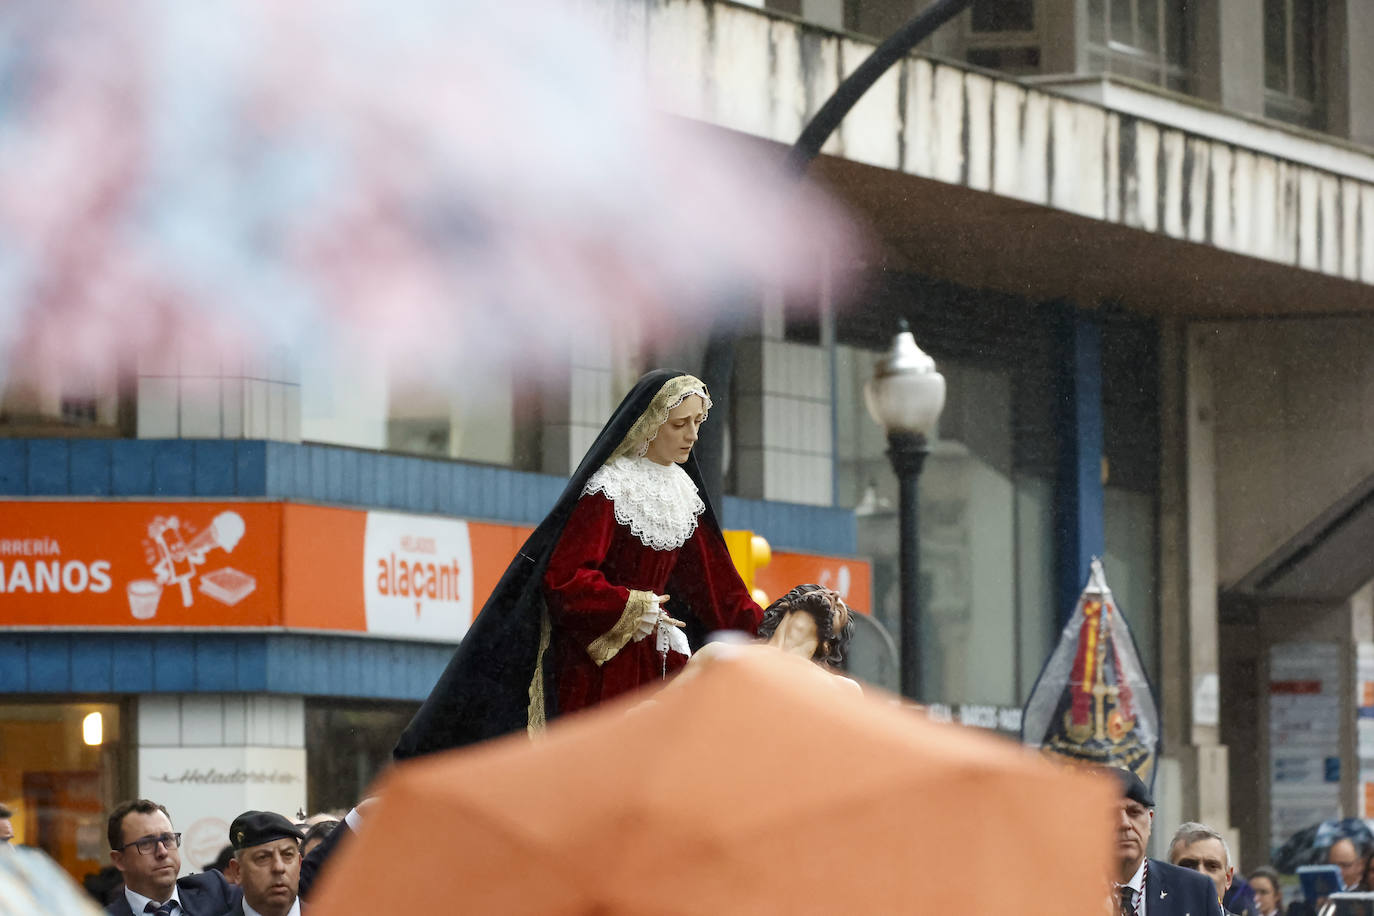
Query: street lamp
[905,397]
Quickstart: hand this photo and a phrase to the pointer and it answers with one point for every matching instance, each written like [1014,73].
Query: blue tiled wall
[312,665]
[226,469]
[132,467]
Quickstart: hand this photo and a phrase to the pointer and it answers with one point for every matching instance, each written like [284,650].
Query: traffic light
[749,551]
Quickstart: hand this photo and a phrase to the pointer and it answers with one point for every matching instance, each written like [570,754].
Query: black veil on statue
[484,691]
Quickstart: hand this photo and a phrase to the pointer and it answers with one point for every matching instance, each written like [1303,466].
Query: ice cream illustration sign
[246,565]
[177,551]
[141,564]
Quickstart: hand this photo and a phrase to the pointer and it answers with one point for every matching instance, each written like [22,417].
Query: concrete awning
[986,241]
[1088,192]
[1327,561]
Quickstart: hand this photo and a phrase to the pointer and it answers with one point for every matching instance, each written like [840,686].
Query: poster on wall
[205,788]
[1304,737]
[1364,724]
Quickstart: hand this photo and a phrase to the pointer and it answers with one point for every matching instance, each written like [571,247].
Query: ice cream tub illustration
[144,595]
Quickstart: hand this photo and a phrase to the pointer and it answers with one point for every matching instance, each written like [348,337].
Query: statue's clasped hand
[666,629]
[654,617]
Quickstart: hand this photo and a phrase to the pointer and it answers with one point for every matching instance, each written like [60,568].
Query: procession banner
[1092,702]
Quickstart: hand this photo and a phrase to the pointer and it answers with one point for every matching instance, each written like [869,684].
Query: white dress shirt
[1137,884]
[139,903]
[294,911]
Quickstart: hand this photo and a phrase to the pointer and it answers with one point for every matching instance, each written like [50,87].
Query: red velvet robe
[587,586]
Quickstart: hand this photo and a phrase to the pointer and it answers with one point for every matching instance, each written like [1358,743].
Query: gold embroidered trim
[534,715]
[673,393]
[604,647]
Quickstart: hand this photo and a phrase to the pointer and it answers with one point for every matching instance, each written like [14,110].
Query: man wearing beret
[266,863]
[1149,887]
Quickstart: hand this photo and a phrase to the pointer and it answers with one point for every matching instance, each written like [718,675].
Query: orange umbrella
[762,786]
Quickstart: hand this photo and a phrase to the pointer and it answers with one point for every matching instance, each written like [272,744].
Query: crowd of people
[270,863]
[1145,885]
[258,874]
[614,591]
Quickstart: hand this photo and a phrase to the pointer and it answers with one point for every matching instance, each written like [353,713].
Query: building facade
[1138,238]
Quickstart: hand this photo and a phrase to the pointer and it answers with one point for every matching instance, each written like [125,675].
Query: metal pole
[718,363]
[907,452]
[898,45]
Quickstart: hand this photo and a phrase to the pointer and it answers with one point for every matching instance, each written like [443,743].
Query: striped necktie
[165,910]
[1127,900]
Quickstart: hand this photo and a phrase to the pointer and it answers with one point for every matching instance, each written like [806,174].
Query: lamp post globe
[906,394]
[905,397]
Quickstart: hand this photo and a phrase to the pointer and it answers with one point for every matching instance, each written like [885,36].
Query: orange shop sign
[135,563]
[263,565]
[852,578]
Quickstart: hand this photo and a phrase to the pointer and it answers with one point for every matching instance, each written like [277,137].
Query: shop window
[63,767]
[1142,39]
[1131,566]
[986,493]
[1130,413]
[468,421]
[351,743]
[1292,61]
[985,629]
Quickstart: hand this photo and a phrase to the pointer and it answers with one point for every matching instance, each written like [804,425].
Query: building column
[573,413]
[1348,72]
[1194,770]
[209,757]
[1063,31]
[1079,522]
[1228,47]
[783,423]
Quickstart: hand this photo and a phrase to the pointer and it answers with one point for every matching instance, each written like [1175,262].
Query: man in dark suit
[148,855]
[1149,887]
[266,863]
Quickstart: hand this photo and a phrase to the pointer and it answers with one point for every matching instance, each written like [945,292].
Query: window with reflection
[1002,35]
[350,743]
[1002,15]
[1142,39]
[99,405]
[986,492]
[63,767]
[1130,415]
[1292,61]
[986,553]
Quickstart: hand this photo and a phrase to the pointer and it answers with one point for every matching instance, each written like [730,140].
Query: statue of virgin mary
[627,573]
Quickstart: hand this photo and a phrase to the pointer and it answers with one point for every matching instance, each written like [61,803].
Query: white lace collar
[658,503]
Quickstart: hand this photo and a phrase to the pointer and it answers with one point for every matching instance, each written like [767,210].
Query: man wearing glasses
[147,852]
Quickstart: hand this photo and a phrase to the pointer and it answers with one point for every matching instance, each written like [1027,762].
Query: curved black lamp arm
[897,46]
[718,363]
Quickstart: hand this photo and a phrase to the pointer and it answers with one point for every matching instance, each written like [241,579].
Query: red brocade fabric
[587,584]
